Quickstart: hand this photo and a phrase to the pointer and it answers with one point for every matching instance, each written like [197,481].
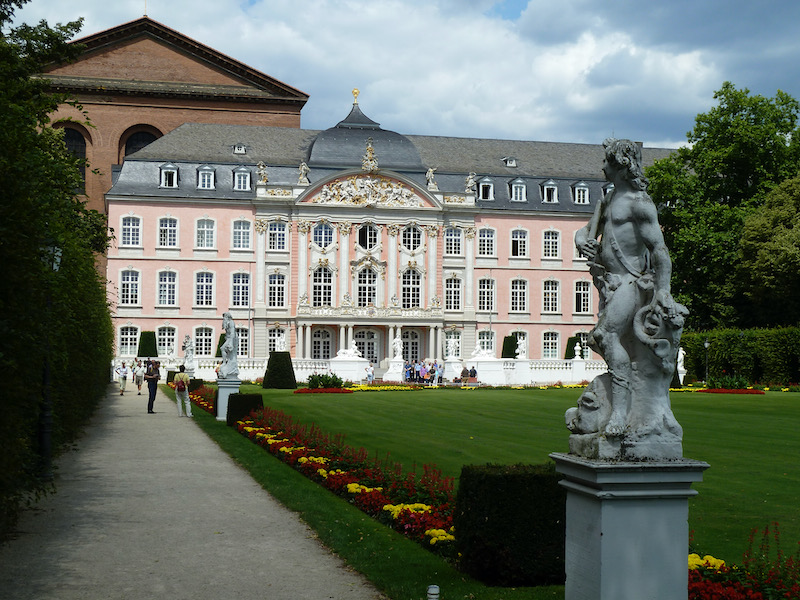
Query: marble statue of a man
[626,413]
[229,369]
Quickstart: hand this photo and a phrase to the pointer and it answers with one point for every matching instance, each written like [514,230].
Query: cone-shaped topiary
[147,345]
[509,347]
[280,372]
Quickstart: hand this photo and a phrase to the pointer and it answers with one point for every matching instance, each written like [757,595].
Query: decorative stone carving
[469,184]
[303,301]
[304,227]
[261,168]
[344,227]
[369,163]
[347,300]
[625,414]
[261,225]
[351,352]
[394,229]
[432,230]
[397,347]
[432,185]
[302,174]
[361,190]
[469,232]
[229,369]
[522,348]
[455,199]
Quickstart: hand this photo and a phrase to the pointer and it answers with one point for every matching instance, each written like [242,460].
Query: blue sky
[568,71]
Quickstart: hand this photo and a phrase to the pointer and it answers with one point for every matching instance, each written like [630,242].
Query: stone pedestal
[349,368]
[627,527]
[452,369]
[395,372]
[226,388]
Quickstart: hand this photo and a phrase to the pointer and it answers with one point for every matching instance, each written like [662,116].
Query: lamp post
[706,344]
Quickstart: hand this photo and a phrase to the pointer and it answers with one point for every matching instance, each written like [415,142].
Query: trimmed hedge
[510,521]
[509,347]
[280,372]
[195,384]
[147,345]
[769,356]
[241,405]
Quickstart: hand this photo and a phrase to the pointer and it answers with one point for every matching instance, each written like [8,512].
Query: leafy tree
[54,323]
[738,151]
[770,256]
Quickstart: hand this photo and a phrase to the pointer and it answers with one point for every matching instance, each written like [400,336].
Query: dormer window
[518,191]
[581,191]
[510,161]
[205,178]
[550,192]
[240,149]
[486,189]
[241,179]
[169,176]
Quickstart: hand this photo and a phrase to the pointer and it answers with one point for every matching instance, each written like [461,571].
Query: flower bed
[736,391]
[419,507]
[323,391]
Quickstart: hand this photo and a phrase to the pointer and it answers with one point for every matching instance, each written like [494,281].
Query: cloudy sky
[547,70]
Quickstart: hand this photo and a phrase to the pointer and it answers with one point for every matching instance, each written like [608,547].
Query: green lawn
[750,442]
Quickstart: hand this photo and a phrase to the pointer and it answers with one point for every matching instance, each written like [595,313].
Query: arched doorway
[412,342]
[367,342]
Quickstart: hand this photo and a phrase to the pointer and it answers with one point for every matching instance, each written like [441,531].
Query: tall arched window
[76,145]
[322,287]
[138,140]
[321,344]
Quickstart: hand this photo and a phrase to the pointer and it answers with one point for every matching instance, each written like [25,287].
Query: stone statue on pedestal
[229,369]
[625,413]
[397,347]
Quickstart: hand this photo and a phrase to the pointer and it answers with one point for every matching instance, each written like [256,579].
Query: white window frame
[581,192]
[371,235]
[206,179]
[205,237]
[243,337]
[411,289]
[583,297]
[453,237]
[130,288]
[276,235]
[240,290]
[550,192]
[453,293]
[241,234]
[366,287]
[168,177]
[322,287]
[486,189]
[551,296]
[167,288]
[551,244]
[167,232]
[550,345]
[411,237]
[321,344]
[131,232]
[486,341]
[276,290]
[519,191]
[519,243]
[128,340]
[486,294]
[274,334]
[322,235]
[241,180]
[204,341]
[204,291]
[486,242]
[519,296]
[166,337]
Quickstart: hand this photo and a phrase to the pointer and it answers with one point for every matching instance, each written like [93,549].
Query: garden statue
[522,348]
[625,413]
[451,348]
[397,347]
[578,351]
[229,369]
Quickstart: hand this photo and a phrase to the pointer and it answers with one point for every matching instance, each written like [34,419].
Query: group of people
[426,373]
[149,371]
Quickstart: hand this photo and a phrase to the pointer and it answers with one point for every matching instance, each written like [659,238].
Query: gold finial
[355,95]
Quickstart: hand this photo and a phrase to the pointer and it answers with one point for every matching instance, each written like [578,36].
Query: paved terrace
[148,507]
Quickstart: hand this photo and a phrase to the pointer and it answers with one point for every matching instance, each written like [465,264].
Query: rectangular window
[410,289]
[452,294]
[205,180]
[165,340]
[550,194]
[167,232]
[276,236]
[205,233]
[486,341]
[131,231]
[518,192]
[241,289]
[550,297]
[583,299]
[452,241]
[550,345]
[486,295]
[486,191]
[169,178]
[519,243]
[129,288]
[552,244]
[204,289]
[276,339]
[128,341]
[581,195]
[367,287]
[241,235]
[241,181]
[276,291]
[322,288]
[486,242]
[243,335]
[167,287]
[519,295]
[203,341]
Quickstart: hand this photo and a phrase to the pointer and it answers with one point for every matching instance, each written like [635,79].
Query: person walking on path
[138,375]
[152,376]
[123,373]
[181,382]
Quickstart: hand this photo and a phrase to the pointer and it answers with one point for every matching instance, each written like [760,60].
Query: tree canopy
[54,316]
[738,151]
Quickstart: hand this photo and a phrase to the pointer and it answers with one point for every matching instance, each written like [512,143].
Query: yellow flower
[709,561]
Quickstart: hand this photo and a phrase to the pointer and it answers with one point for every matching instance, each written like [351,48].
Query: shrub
[510,524]
[325,380]
[280,372]
[241,405]
[569,352]
[147,345]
